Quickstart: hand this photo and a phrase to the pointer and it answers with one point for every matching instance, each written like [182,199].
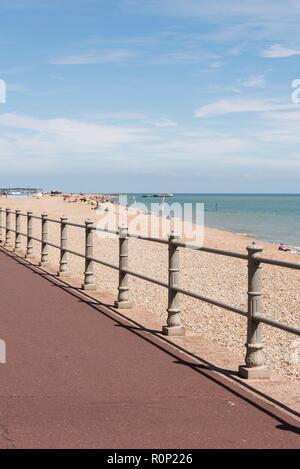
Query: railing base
[255,372]
[63,274]
[43,264]
[123,304]
[173,331]
[88,287]
[29,256]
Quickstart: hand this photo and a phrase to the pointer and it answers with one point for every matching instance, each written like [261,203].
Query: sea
[269,217]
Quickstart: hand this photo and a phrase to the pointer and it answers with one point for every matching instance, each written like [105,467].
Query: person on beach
[283,247]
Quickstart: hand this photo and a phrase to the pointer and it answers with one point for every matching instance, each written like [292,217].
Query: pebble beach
[218,277]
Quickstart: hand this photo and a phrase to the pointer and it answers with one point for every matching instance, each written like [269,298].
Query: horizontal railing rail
[146,277]
[278,263]
[220,304]
[254,368]
[220,252]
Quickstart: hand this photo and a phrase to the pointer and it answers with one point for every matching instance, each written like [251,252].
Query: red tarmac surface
[79,376]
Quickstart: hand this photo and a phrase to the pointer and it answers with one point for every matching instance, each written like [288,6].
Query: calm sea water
[273,218]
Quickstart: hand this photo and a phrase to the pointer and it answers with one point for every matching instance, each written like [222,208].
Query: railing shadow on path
[226,378]
[254,367]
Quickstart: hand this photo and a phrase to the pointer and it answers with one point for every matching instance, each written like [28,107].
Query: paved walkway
[79,376]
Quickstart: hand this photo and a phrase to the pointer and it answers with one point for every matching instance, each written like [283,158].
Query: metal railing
[254,367]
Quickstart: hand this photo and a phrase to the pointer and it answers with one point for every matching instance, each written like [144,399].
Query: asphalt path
[78,376]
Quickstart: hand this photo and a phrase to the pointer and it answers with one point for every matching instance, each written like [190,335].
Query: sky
[150,95]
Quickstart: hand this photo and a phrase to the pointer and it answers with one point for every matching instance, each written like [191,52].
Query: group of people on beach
[93,200]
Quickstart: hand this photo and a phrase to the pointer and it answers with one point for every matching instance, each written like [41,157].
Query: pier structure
[20,190]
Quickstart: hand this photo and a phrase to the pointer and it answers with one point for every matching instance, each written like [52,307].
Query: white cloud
[19,4]
[51,146]
[254,81]
[236,51]
[61,134]
[279,51]
[216,64]
[200,147]
[230,106]
[16,88]
[272,165]
[233,19]
[214,8]
[43,146]
[287,117]
[96,57]
[165,123]
[120,116]
[281,127]
[15,70]
[181,57]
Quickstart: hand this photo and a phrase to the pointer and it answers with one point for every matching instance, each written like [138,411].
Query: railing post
[44,250]
[254,368]
[18,231]
[123,301]
[8,228]
[63,263]
[0,225]
[29,246]
[174,326]
[89,278]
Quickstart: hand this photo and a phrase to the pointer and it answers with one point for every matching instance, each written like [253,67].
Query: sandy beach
[218,277]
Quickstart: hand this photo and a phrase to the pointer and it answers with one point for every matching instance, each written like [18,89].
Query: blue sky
[150,95]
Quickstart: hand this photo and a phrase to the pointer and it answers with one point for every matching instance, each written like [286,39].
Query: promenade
[78,375]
